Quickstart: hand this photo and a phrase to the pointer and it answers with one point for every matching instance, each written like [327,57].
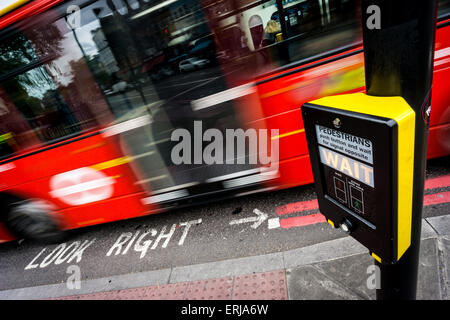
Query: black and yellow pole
[399,41]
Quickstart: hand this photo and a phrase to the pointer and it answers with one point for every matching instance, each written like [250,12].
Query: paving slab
[353,272]
[428,282]
[324,251]
[441,224]
[232,267]
[427,230]
[444,247]
[308,283]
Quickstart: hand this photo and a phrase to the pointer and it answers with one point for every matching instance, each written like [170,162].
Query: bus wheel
[34,220]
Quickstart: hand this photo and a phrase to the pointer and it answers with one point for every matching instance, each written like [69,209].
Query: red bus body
[280,95]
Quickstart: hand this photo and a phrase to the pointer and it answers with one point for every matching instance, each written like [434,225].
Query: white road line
[274,223]
[258,220]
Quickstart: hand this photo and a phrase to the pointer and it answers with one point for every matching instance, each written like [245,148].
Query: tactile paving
[212,289]
[174,291]
[134,294]
[259,286]
[262,286]
[108,295]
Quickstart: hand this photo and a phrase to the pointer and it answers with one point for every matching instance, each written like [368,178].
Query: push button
[347,226]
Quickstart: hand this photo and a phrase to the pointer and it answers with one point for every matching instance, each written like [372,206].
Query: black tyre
[34,220]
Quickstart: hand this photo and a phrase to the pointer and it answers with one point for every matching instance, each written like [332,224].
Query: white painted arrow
[260,218]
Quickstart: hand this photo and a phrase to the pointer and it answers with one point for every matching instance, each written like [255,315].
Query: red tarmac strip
[297,207]
[434,183]
[302,221]
[439,182]
[436,198]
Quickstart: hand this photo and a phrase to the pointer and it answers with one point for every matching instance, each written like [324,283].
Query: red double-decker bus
[92,91]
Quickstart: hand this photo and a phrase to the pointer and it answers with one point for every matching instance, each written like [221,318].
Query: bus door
[176,77]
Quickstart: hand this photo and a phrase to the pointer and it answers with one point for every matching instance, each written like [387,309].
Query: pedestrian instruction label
[356,147]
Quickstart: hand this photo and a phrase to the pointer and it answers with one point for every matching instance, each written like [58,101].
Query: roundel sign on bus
[81,186]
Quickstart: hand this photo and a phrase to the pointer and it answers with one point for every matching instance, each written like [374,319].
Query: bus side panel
[95,153]
[439,135]
[291,91]
[84,152]
[78,187]
[292,171]
[291,136]
[118,208]
[89,179]
[283,95]
[281,100]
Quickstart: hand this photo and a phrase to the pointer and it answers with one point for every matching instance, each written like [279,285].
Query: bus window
[46,89]
[36,97]
[15,132]
[265,42]
[164,60]
[443,8]
[157,60]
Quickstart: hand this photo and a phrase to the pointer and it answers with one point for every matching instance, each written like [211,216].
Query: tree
[31,45]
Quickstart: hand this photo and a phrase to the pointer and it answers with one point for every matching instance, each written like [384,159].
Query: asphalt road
[199,234]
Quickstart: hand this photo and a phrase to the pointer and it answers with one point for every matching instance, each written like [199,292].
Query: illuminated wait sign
[9,5]
[348,166]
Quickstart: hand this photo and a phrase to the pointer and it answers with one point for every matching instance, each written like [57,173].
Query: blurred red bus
[91,92]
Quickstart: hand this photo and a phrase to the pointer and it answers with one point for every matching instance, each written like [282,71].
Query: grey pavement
[339,269]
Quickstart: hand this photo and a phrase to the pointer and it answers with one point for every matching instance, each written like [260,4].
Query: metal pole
[282,19]
[399,62]
[282,47]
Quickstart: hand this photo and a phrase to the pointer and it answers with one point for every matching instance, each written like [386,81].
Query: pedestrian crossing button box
[362,155]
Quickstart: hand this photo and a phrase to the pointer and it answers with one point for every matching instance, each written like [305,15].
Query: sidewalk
[336,269]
